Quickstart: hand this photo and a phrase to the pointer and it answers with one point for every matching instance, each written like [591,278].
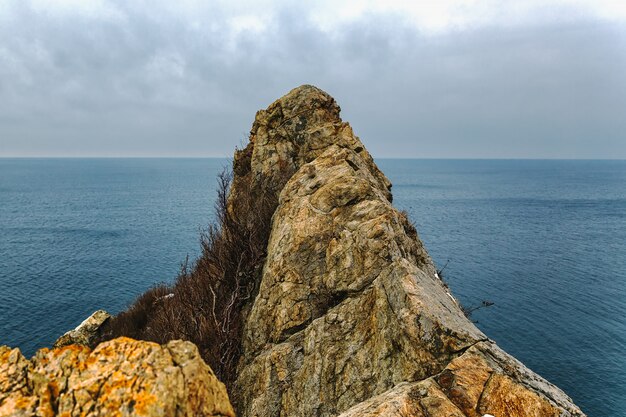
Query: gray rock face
[350,310]
[86,332]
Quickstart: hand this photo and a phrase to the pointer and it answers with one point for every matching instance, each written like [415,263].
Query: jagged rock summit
[350,315]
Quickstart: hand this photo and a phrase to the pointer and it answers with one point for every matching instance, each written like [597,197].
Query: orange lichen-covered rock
[15,398]
[463,381]
[505,397]
[122,377]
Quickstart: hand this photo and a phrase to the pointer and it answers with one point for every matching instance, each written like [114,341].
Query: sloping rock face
[122,377]
[482,381]
[350,315]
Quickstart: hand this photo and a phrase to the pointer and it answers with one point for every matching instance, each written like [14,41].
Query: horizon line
[375,157]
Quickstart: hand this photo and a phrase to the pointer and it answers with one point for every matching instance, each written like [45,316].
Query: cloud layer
[464,79]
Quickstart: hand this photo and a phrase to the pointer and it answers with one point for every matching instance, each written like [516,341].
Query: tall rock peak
[293,131]
[350,315]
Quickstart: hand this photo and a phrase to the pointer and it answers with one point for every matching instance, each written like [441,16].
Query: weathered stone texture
[86,332]
[472,385]
[122,377]
[350,309]
[293,131]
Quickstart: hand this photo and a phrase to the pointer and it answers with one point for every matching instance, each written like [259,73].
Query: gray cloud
[145,80]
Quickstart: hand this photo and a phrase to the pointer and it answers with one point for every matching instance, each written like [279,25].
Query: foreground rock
[350,315]
[122,377]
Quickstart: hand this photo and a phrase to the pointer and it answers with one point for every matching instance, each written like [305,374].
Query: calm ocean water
[544,240]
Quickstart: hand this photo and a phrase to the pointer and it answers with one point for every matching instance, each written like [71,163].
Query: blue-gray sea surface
[544,240]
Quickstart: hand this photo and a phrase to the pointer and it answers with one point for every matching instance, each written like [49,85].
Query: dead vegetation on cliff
[206,303]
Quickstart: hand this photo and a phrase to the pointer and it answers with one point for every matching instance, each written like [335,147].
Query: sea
[543,240]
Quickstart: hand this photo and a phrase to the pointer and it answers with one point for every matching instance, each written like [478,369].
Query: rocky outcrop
[481,381]
[350,316]
[86,332]
[122,377]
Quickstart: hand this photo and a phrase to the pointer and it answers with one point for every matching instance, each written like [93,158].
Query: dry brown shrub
[207,303]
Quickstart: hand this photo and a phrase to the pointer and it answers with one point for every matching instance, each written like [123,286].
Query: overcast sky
[449,79]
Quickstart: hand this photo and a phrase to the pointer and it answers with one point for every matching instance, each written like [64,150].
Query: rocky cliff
[350,315]
[335,309]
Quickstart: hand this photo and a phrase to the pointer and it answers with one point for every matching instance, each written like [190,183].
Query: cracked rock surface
[350,317]
[122,377]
